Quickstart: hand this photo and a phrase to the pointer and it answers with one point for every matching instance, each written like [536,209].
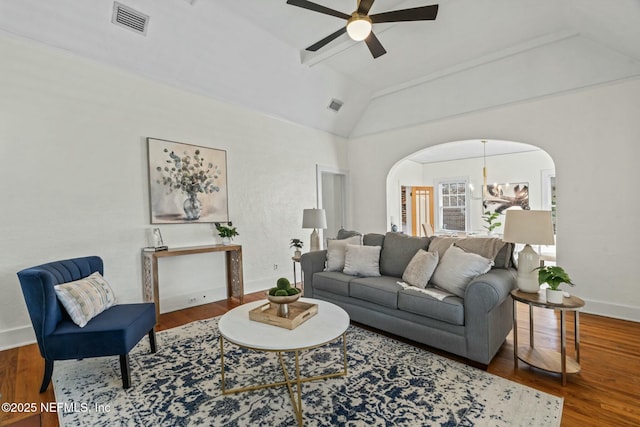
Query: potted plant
[554,276]
[227,232]
[489,218]
[297,243]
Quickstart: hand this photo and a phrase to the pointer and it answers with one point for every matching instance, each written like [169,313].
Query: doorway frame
[331,170]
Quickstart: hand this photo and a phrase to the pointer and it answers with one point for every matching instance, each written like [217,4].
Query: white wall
[592,137]
[74,173]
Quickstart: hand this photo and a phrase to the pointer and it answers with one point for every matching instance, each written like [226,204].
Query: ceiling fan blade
[318,8]
[374,45]
[364,6]
[331,37]
[423,13]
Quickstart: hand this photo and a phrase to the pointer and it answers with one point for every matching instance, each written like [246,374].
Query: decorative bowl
[283,307]
[284,300]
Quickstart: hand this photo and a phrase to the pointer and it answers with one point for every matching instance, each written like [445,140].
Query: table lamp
[531,228]
[314,218]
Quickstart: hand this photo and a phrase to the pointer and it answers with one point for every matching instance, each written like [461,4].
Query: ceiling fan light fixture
[359,27]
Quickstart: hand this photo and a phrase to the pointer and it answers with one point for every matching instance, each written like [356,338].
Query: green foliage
[553,276]
[293,291]
[189,173]
[489,218]
[296,243]
[283,283]
[226,231]
[281,293]
[273,291]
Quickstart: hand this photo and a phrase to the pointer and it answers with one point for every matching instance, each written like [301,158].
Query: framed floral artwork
[187,183]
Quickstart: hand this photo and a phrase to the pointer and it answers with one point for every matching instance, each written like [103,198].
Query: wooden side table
[547,359]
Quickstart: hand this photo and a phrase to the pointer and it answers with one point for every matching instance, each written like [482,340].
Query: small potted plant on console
[554,276]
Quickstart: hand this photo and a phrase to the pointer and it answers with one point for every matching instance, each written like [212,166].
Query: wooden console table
[235,283]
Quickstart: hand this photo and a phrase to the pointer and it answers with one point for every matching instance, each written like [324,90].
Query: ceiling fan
[359,23]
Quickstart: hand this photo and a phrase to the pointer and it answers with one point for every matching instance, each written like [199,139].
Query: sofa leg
[152,340]
[126,371]
[48,371]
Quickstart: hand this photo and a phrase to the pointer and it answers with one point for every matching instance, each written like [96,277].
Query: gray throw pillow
[457,269]
[421,268]
[345,234]
[363,261]
[336,252]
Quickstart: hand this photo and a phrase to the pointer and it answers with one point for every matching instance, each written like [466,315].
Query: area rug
[389,383]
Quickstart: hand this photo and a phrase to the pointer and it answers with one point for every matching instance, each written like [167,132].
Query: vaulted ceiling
[477,54]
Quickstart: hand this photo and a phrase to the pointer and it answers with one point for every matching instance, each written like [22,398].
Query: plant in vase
[283,294]
[190,175]
[489,218]
[553,276]
[297,243]
[227,232]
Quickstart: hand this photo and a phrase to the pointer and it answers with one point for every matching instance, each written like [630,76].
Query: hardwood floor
[605,393]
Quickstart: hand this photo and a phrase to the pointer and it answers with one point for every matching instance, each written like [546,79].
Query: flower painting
[187,183]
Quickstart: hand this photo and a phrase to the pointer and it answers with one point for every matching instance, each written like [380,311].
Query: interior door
[422,210]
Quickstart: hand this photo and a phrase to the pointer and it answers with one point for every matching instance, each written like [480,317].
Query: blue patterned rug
[389,383]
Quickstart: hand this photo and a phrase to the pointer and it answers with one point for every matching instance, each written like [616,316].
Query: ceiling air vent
[335,105]
[129,18]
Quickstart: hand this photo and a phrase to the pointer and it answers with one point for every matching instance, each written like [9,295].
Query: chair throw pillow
[457,269]
[420,268]
[336,251]
[84,299]
[363,261]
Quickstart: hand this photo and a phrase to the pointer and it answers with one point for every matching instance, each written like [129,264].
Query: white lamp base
[528,261]
[315,240]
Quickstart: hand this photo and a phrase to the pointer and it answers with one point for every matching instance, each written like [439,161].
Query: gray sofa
[473,327]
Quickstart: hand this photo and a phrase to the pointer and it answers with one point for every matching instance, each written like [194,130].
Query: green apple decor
[283,294]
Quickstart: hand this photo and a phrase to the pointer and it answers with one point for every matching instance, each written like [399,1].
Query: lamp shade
[527,226]
[314,218]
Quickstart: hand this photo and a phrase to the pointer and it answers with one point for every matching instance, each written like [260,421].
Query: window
[452,205]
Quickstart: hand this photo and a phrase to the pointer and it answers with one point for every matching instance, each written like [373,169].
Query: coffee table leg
[296,402]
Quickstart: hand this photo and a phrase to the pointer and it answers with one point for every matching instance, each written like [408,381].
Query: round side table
[546,359]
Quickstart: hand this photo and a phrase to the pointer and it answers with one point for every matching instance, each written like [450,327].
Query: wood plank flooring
[605,393]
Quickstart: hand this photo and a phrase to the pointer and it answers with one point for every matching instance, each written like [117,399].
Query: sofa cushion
[345,234]
[362,261]
[489,247]
[336,252]
[420,268]
[457,268]
[450,309]
[332,281]
[84,299]
[373,239]
[397,251]
[379,290]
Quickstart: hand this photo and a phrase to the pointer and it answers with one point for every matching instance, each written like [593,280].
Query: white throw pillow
[84,299]
[420,268]
[362,261]
[457,268]
[336,251]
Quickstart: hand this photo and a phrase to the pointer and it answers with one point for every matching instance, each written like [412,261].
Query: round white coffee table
[328,325]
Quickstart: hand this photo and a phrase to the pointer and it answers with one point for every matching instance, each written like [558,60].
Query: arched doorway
[442,188]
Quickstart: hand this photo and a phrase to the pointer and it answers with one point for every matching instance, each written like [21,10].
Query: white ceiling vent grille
[335,105]
[129,18]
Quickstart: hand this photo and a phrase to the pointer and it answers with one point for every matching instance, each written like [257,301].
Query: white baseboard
[17,337]
[617,311]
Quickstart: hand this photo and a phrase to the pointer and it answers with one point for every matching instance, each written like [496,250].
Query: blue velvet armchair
[113,332]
